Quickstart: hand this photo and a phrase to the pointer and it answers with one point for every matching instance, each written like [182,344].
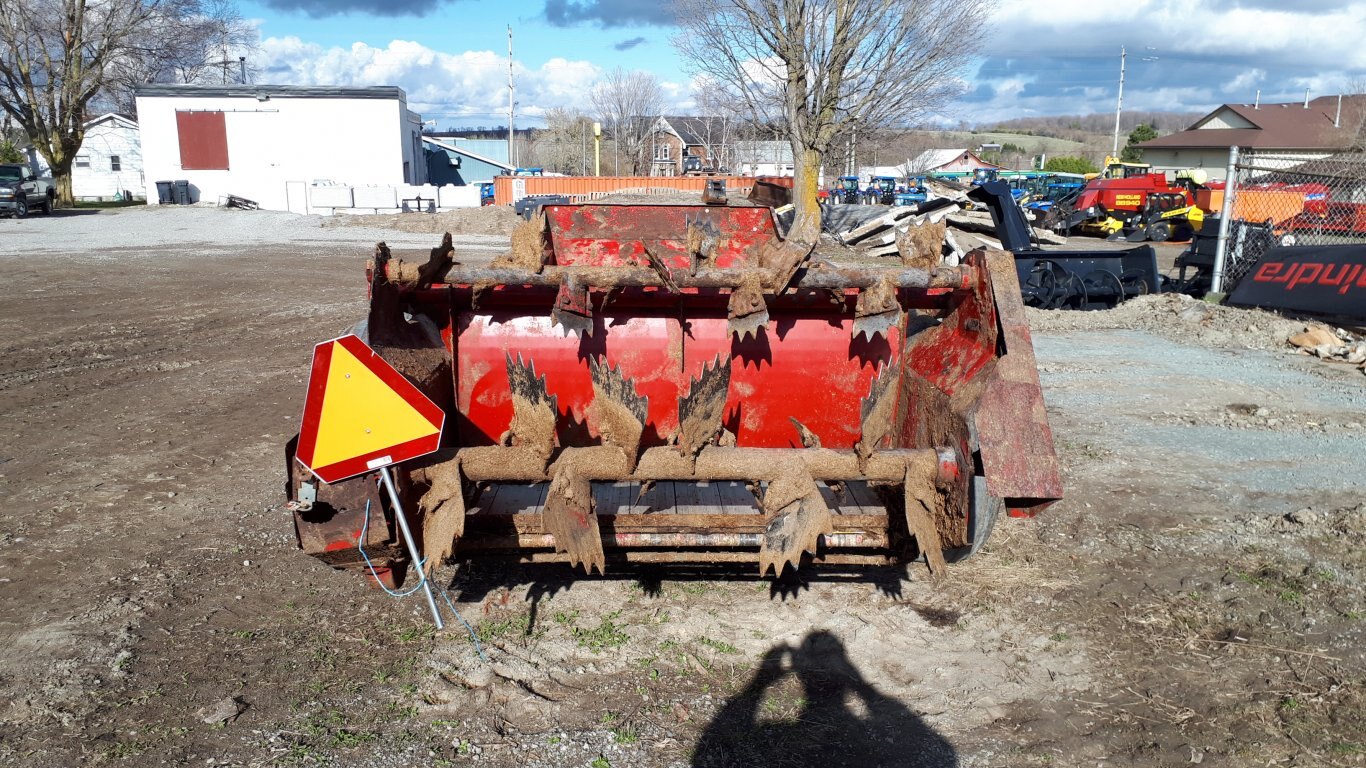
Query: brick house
[673,138]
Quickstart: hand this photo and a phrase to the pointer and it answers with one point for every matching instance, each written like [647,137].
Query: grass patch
[121,750]
[414,634]
[608,634]
[719,646]
[625,735]
[348,739]
[513,625]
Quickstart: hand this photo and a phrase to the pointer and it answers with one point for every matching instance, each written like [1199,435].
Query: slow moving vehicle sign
[361,414]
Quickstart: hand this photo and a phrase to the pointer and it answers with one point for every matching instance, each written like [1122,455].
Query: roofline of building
[284,91]
[114,115]
[467,153]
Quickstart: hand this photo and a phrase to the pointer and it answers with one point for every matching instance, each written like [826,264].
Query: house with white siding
[108,165]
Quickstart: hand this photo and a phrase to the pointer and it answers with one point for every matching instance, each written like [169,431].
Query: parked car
[21,191]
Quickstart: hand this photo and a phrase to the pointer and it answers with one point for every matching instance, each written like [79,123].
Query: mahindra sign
[1322,279]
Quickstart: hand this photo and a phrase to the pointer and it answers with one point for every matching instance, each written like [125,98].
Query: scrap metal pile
[1050,278]
[681,384]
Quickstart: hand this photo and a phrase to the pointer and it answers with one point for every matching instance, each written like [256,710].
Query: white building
[271,143]
[763,158]
[108,165]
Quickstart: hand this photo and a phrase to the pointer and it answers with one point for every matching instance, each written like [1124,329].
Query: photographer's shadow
[843,720]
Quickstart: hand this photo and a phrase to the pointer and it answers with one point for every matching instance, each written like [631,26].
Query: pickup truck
[21,191]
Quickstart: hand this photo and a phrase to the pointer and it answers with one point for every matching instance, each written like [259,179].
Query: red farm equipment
[679,384]
[1137,207]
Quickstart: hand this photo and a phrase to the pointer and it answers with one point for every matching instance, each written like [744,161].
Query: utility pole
[1119,103]
[512,93]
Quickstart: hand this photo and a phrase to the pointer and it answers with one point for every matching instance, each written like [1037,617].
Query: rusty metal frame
[824,277]
[511,464]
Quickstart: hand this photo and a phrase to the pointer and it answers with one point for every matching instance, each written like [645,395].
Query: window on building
[82,161]
[114,163]
[662,152]
[203,141]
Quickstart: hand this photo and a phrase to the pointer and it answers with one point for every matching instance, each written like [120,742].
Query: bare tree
[819,66]
[58,57]
[718,127]
[628,102]
[208,43]
[566,143]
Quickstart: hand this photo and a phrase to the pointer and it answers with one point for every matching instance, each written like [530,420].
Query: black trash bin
[164,193]
[182,192]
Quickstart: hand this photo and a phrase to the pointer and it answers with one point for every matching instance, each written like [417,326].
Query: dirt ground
[1196,599]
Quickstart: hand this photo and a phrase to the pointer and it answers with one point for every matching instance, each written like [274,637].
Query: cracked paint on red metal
[640,344]
[617,235]
[956,350]
[949,467]
[803,366]
[1018,457]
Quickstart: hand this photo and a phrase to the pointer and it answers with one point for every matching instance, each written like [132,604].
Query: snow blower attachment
[679,384]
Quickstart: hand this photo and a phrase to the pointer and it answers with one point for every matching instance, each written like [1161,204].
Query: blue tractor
[981,176]
[846,190]
[1060,192]
[915,192]
[881,191]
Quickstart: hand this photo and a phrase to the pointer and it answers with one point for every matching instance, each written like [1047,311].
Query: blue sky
[1042,58]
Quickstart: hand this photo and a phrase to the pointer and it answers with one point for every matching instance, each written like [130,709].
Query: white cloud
[1184,55]
[1245,81]
[1322,35]
[441,86]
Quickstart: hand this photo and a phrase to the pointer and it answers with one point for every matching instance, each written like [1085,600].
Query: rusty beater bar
[608,463]
[731,278]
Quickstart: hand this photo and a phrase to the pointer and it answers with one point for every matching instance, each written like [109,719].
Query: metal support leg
[387,479]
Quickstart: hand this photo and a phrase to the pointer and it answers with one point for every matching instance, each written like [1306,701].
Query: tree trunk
[65,198]
[59,161]
[806,225]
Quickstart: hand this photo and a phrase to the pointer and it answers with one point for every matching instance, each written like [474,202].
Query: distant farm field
[1032,144]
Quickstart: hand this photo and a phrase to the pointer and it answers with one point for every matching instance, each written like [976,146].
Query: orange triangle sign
[361,414]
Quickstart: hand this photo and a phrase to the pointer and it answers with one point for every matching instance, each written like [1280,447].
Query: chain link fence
[1282,199]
